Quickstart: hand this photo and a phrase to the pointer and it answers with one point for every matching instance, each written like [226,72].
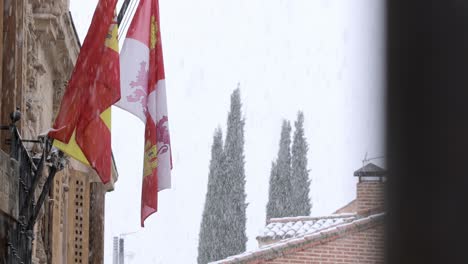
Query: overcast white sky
[320,56]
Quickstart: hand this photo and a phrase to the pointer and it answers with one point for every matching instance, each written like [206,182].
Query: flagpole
[122,11]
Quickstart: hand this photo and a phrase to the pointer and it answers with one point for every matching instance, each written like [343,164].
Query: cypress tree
[211,230]
[273,205]
[280,189]
[234,181]
[299,172]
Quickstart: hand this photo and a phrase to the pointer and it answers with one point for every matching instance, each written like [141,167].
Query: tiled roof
[349,208]
[282,228]
[317,237]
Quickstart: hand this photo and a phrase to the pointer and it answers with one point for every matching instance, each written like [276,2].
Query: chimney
[115,255]
[121,251]
[370,189]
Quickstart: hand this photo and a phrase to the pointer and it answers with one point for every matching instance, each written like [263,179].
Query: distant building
[37,56]
[353,234]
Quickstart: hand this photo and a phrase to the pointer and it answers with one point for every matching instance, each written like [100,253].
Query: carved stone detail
[55,7]
[51,47]
[41,36]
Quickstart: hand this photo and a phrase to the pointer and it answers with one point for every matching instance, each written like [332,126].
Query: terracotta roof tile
[288,227]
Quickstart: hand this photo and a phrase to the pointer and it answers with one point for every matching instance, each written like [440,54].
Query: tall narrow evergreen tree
[211,229]
[299,172]
[273,205]
[280,182]
[234,181]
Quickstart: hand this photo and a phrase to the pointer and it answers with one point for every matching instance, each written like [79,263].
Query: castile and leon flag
[82,126]
[143,93]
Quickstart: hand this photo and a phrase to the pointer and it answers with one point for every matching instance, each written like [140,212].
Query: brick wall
[365,246]
[370,195]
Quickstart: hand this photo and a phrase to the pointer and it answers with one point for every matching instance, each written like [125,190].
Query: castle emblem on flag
[112,40]
[151,158]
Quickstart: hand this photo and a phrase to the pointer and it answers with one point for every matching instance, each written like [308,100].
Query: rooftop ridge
[308,218]
[330,233]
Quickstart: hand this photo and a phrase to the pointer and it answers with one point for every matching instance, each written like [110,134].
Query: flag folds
[143,93]
[82,126]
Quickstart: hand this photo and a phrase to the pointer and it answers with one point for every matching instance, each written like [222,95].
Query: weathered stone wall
[52,52]
[96,223]
[78,221]
[39,51]
[9,176]
[37,56]
[6,224]
[1,47]
[14,61]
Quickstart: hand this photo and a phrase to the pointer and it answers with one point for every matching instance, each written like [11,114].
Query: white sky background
[323,57]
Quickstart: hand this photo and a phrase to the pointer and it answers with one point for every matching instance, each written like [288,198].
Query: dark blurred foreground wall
[427,129]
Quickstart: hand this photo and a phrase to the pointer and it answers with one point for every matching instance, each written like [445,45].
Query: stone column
[14,61]
[96,222]
[56,218]
[1,46]
[78,217]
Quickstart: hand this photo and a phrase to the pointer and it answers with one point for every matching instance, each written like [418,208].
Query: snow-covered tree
[234,180]
[299,173]
[274,203]
[211,229]
[222,231]
[280,190]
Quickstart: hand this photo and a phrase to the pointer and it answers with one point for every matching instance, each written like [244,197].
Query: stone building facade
[37,55]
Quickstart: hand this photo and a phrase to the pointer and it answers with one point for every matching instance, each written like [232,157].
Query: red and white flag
[143,92]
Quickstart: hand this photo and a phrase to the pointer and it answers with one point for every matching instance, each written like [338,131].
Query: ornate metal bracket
[30,174]
[57,164]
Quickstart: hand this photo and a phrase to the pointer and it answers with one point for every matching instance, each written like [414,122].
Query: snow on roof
[370,170]
[288,227]
[315,236]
